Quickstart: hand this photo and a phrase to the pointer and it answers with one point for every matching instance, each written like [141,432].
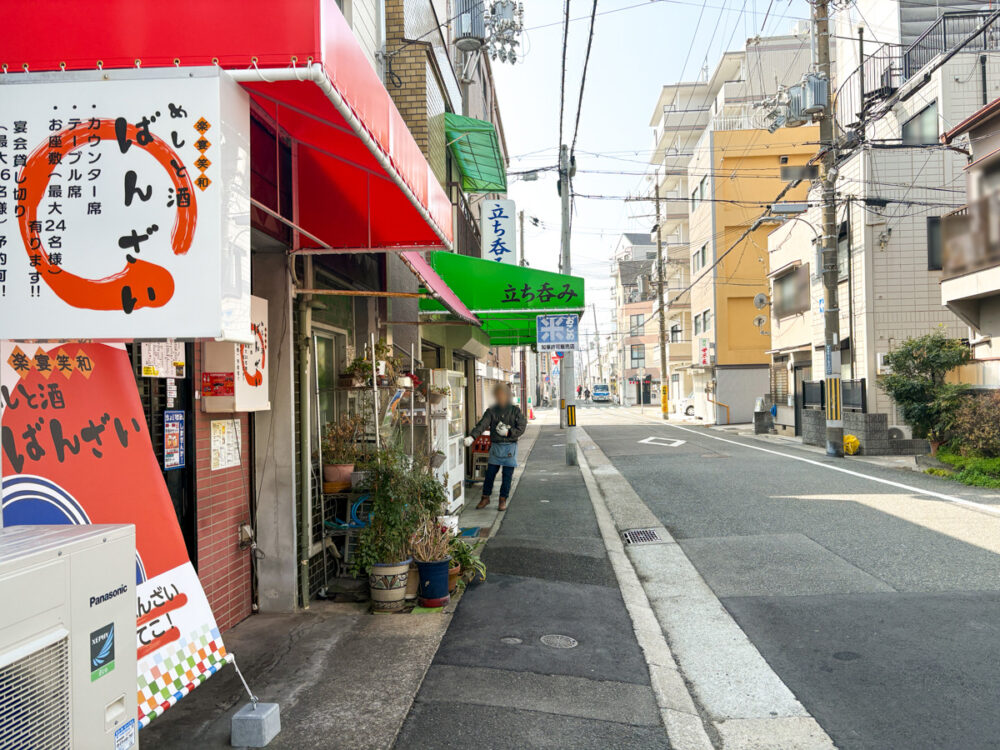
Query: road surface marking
[992,510]
[665,442]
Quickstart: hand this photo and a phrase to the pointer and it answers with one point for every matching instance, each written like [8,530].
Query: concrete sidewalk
[544,654]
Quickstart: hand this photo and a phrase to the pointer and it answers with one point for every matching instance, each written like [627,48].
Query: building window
[700,257]
[675,333]
[922,128]
[702,189]
[791,292]
[637,352]
[636,324]
[697,324]
[706,320]
[694,199]
[843,243]
[934,243]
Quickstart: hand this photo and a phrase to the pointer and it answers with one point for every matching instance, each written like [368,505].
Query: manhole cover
[511,640]
[559,641]
[641,536]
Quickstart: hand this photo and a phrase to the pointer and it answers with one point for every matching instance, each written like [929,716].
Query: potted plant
[389,365]
[429,546]
[357,373]
[340,448]
[466,563]
[437,392]
[383,546]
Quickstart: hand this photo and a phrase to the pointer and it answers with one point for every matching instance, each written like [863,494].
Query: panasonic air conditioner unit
[68,638]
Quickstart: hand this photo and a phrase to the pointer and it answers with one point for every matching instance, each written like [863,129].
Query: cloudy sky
[637,47]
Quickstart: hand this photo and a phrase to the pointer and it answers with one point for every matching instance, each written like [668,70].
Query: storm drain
[641,536]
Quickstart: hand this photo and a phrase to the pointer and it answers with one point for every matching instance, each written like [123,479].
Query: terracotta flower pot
[454,574]
[435,398]
[337,472]
[387,585]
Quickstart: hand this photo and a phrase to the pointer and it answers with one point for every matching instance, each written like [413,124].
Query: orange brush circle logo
[140,283]
[253,355]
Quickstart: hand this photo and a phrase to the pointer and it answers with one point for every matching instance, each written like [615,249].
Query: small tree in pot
[340,451]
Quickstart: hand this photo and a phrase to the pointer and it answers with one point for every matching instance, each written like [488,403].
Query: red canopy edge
[264,45]
[437,286]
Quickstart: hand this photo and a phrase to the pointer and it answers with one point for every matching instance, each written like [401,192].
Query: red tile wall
[223,503]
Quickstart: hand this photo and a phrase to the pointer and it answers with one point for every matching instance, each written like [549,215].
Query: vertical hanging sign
[498,230]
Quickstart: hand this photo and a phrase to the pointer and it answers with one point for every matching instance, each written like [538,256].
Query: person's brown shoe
[503,503]
[484,502]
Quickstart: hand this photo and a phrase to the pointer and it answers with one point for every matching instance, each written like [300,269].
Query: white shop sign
[498,230]
[244,365]
[124,205]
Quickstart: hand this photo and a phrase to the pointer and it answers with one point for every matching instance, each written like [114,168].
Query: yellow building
[735,174]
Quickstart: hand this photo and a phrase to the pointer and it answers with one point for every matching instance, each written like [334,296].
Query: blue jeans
[491,474]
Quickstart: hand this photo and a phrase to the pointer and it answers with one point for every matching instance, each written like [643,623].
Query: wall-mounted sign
[126,196]
[499,230]
[78,452]
[558,332]
[242,368]
[173,439]
[162,359]
[215,384]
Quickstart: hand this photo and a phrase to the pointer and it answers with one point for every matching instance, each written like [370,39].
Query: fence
[853,395]
[952,30]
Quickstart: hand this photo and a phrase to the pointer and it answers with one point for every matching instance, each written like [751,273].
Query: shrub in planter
[473,569]
[383,549]
[357,372]
[429,545]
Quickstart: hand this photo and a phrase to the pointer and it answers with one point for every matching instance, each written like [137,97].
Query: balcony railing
[879,76]
[853,395]
[947,33]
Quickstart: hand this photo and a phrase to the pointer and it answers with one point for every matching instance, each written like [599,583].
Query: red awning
[362,181]
[437,286]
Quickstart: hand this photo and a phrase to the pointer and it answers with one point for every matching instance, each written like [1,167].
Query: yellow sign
[571,416]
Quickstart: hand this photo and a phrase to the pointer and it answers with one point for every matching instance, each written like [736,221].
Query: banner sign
[76,450]
[173,439]
[125,206]
[162,359]
[238,372]
[498,230]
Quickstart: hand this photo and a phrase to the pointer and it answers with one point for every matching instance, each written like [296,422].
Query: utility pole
[664,402]
[597,337]
[827,174]
[524,366]
[567,385]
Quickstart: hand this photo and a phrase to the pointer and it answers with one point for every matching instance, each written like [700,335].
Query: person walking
[579,389]
[586,395]
[506,424]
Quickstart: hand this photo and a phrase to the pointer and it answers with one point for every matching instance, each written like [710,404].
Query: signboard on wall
[126,198]
[238,372]
[499,230]
[226,443]
[558,333]
[76,450]
[173,439]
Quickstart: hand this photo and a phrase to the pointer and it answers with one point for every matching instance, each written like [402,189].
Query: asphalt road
[878,606]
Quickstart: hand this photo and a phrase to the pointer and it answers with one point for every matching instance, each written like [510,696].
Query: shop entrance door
[153,393]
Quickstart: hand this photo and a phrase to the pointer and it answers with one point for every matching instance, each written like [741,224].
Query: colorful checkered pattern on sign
[195,659]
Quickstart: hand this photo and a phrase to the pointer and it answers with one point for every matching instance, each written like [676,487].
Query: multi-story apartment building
[637,375]
[893,185]
[718,168]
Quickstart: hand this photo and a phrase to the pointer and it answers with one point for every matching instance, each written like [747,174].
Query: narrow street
[877,606]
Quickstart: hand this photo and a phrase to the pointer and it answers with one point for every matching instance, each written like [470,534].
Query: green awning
[506,298]
[476,149]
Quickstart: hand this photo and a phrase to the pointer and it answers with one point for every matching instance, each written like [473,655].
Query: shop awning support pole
[413,390]
[305,437]
[567,376]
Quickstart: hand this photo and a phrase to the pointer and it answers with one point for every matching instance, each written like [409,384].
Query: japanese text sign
[235,376]
[75,449]
[124,206]
[558,332]
[498,230]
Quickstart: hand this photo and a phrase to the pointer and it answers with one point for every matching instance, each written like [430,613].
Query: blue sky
[638,47]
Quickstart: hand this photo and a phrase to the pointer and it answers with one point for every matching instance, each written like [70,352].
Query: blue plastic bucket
[433,589]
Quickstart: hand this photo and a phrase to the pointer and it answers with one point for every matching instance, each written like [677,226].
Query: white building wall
[367,20]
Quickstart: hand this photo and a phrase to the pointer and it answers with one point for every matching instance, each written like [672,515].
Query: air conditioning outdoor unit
[67,638]
[881,365]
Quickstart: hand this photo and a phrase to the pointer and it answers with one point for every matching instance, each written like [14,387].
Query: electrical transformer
[67,638]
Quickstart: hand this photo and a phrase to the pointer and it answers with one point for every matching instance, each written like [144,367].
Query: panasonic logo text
[100,599]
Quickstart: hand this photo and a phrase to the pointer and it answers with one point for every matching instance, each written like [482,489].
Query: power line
[562,85]
[583,79]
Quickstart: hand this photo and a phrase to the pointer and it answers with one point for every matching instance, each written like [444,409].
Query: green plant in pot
[340,451]
[390,365]
[357,372]
[437,393]
[383,550]
[429,546]
[464,556]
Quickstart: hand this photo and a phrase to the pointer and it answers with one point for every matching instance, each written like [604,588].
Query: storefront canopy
[361,181]
[476,149]
[506,298]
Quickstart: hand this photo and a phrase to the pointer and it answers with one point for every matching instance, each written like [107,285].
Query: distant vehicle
[601,393]
[687,406]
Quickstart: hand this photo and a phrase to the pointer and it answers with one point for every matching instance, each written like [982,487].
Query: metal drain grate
[641,536]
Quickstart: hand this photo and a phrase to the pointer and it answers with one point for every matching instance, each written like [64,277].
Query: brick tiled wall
[223,503]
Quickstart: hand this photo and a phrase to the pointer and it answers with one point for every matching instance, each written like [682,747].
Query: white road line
[990,509]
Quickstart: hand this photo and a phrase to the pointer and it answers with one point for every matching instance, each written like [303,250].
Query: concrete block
[255,725]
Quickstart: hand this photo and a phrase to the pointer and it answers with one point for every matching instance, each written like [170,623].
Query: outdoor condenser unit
[67,638]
